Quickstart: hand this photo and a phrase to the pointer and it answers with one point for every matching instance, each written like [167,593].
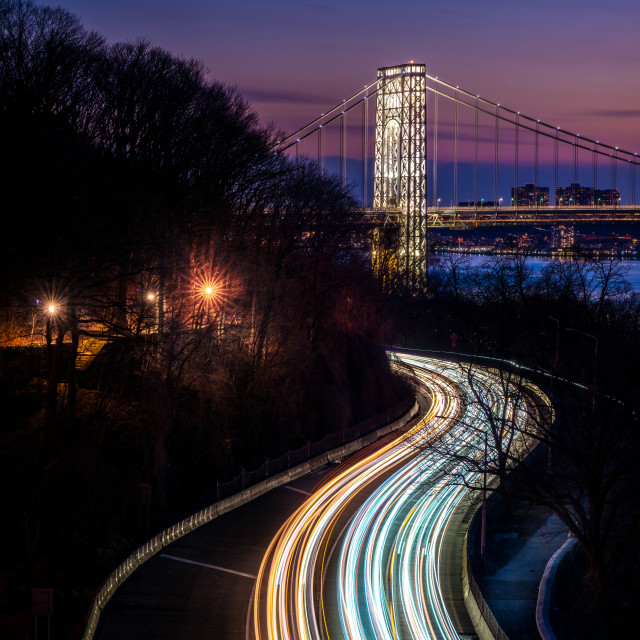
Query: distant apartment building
[563,238]
[530,195]
[578,196]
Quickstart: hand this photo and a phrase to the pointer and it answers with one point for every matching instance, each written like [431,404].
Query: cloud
[614,113]
[282,97]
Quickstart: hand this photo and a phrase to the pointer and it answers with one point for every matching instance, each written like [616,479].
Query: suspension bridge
[446,157]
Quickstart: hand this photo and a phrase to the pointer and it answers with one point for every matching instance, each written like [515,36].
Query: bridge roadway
[467,217]
[368,550]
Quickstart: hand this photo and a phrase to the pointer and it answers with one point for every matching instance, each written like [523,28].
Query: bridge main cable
[616,151]
[327,114]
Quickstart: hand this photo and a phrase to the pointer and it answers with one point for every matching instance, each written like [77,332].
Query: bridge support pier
[400,165]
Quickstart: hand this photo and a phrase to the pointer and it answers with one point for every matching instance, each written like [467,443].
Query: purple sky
[574,63]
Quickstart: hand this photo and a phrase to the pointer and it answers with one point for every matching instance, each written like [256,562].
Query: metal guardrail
[268,469]
[310,450]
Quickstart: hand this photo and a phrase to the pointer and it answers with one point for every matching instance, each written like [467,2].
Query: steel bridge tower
[401,165]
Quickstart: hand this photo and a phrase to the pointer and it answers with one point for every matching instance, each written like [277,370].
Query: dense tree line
[195,294]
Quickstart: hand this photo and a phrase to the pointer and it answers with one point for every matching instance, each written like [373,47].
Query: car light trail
[389,549]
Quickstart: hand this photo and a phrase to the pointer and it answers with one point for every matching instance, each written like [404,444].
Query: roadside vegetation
[575,328]
[178,300]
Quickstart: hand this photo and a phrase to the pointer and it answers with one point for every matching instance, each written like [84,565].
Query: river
[633,267]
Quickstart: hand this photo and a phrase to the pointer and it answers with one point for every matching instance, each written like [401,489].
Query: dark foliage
[178,299]
[576,328]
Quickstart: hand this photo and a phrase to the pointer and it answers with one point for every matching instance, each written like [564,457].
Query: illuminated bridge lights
[400,159]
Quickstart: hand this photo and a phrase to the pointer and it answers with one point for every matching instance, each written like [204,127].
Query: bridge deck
[465,217]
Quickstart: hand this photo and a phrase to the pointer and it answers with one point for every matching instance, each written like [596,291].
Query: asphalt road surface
[369,548]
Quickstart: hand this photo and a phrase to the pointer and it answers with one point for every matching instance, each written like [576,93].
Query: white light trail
[388,564]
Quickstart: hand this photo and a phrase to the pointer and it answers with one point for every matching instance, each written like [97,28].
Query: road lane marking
[209,566]
[306,493]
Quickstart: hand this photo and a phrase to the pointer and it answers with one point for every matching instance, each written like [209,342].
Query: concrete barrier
[173,533]
[473,606]
[543,604]
[482,618]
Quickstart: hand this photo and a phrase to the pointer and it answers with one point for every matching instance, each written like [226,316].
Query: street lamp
[51,317]
[483,528]
[556,360]
[595,362]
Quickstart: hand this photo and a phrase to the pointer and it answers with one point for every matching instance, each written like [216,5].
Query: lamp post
[152,301]
[595,362]
[483,528]
[556,360]
[51,311]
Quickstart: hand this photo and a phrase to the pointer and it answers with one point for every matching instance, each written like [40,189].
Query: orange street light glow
[212,290]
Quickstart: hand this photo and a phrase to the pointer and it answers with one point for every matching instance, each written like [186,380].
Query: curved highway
[361,558]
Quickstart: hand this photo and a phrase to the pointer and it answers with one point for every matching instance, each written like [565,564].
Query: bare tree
[586,475]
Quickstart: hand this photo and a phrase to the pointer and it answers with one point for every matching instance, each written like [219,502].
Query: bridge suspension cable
[339,110]
[540,130]
[534,122]
[530,152]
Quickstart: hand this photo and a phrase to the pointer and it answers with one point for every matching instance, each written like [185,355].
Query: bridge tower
[400,165]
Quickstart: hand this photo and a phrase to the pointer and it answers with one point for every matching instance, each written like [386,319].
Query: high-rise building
[562,237]
[578,196]
[607,197]
[530,195]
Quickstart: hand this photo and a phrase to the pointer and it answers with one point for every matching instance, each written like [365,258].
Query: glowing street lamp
[209,293]
[51,319]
